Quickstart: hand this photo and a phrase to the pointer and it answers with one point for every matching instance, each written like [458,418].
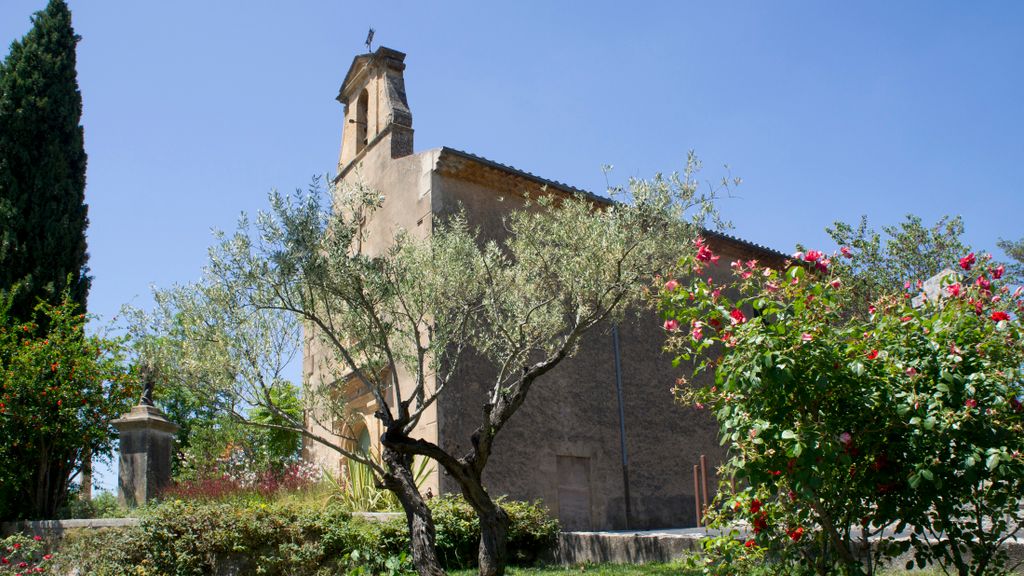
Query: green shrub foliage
[183,538]
[843,427]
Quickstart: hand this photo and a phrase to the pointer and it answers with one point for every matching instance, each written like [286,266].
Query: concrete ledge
[625,547]
[668,545]
[58,527]
[378,516]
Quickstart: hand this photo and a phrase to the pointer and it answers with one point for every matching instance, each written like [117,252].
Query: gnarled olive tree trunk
[422,535]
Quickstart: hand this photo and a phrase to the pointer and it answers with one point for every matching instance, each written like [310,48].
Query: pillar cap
[143,416]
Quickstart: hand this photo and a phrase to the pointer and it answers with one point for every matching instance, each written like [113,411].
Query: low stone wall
[626,547]
[57,528]
[665,546]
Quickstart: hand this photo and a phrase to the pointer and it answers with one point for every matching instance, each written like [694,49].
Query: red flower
[998,271]
[755,506]
[750,544]
[812,255]
[737,316]
[796,533]
[953,289]
[846,252]
[704,253]
[871,309]
[999,315]
[983,283]
[872,355]
[715,323]
[967,261]
[906,319]
[760,523]
[671,325]
[671,286]
[971,403]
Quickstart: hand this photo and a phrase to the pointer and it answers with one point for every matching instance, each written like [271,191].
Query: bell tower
[376,110]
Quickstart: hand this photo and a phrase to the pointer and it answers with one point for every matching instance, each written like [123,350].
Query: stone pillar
[147,443]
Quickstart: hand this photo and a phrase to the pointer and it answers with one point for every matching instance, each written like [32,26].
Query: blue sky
[194,110]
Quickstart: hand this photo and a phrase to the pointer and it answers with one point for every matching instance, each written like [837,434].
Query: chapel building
[567,445]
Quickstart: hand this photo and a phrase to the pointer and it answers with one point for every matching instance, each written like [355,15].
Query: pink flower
[671,325]
[872,354]
[704,253]
[671,286]
[806,337]
[983,283]
[845,251]
[835,283]
[906,319]
[971,403]
[999,315]
[823,264]
[906,285]
[798,255]
[696,333]
[812,256]
[771,287]
[953,290]
[967,261]
[997,273]
[737,317]
[871,309]
[736,264]
[911,371]
[845,438]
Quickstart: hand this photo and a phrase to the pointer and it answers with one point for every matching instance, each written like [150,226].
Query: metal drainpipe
[622,426]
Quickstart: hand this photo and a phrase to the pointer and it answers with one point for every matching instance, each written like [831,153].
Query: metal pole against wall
[622,426]
[704,482]
[696,494]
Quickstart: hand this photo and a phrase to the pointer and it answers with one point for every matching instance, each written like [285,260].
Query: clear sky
[194,110]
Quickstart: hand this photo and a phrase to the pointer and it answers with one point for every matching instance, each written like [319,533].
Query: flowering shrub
[236,477]
[59,390]
[22,555]
[841,426]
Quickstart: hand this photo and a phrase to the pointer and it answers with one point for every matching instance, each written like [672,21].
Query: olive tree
[400,322]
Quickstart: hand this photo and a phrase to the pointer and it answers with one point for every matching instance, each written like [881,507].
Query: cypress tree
[43,215]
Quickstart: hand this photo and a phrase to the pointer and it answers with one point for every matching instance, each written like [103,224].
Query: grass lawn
[673,568]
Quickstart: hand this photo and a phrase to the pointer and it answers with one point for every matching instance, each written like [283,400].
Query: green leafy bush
[101,505]
[294,537]
[20,554]
[843,427]
[532,532]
